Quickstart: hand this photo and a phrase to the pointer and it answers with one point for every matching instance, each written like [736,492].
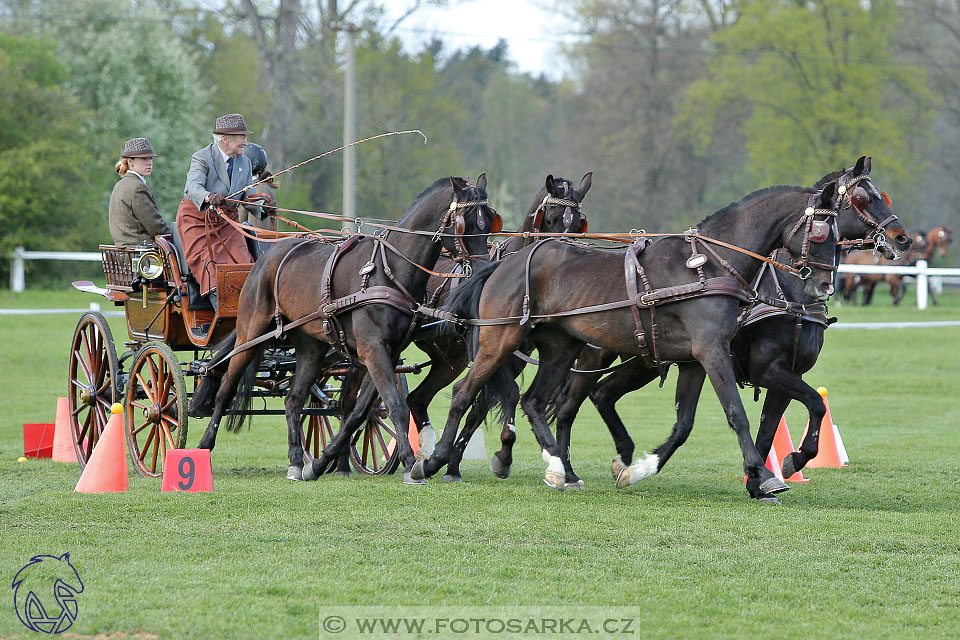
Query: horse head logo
[46,580]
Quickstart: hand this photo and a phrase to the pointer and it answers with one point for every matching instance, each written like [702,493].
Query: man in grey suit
[217,171]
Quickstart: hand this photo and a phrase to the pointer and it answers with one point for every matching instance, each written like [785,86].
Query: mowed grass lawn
[868,551]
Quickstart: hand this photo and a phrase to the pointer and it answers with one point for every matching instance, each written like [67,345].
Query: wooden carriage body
[163,309]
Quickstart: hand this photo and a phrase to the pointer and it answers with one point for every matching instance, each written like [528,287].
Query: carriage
[172,330]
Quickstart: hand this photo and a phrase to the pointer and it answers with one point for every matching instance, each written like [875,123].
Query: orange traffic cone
[783,446]
[63,449]
[106,470]
[830,452]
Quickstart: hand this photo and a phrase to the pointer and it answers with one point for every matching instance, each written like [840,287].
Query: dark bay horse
[555,209]
[358,297]
[686,310]
[760,351]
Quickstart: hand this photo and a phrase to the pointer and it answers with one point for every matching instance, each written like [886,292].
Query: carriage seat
[195,301]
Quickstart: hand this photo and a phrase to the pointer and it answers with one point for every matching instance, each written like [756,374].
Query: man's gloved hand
[269,207]
[215,199]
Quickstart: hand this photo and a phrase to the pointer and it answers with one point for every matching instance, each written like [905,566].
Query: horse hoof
[417,472]
[426,441]
[554,479]
[617,467]
[789,468]
[558,487]
[294,473]
[342,474]
[768,498]
[308,473]
[578,485]
[498,468]
[623,478]
[773,485]
[410,478]
[452,479]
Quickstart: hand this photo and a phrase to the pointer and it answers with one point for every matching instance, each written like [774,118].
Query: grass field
[869,551]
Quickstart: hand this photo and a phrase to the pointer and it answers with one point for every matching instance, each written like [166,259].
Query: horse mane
[830,177]
[750,198]
[425,195]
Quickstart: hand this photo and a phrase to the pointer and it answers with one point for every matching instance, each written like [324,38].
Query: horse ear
[866,165]
[826,194]
[482,182]
[858,168]
[458,184]
[549,184]
[585,184]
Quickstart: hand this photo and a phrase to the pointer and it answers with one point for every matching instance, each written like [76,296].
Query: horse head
[44,580]
[865,210]
[470,219]
[939,240]
[812,244]
[557,208]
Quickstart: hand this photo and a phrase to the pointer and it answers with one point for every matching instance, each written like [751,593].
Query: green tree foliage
[814,85]
[127,67]
[47,198]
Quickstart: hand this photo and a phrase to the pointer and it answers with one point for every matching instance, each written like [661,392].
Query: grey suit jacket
[134,216]
[208,174]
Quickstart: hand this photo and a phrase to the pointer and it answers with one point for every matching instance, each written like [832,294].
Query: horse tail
[205,395]
[243,396]
[464,302]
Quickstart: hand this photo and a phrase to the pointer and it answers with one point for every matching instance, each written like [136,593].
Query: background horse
[368,292]
[938,245]
[867,282]
[555,209]
[548,295]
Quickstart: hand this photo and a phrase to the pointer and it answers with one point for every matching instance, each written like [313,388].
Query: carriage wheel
[156,408]
[375,450]
[94,382]
[317,431]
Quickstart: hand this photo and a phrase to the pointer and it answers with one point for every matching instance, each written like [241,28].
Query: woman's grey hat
[231,124]
[137,148]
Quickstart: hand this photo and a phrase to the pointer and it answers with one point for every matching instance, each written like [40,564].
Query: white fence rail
[921,272]
[17,283]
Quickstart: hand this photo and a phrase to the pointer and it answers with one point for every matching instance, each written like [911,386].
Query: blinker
[819,231]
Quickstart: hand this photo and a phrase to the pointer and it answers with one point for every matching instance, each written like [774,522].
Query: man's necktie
[230,169]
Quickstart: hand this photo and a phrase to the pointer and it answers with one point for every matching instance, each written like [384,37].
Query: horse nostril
[902,240]
[828,288]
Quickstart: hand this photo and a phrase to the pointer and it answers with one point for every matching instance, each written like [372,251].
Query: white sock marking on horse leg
[428,438]
[554,463]
[644,468]
[512,427]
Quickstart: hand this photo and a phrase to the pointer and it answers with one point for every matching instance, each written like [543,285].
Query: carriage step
[200,331]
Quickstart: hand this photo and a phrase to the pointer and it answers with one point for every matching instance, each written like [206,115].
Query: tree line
[678,107]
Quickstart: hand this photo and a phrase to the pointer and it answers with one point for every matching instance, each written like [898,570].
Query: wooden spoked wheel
[156,408]
[94,383]
[374,450]
[316,431]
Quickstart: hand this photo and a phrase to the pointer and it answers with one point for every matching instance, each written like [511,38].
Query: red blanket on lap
[209,240]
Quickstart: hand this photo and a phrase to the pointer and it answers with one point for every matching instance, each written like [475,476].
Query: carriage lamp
[149,266]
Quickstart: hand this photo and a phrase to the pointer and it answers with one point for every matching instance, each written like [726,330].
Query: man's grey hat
[231,124]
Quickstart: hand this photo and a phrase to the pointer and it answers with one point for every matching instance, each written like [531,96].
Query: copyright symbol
[334,624]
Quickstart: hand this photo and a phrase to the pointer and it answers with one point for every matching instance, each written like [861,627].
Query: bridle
[814,231]
[455,217]
[852,194]
[568,204]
